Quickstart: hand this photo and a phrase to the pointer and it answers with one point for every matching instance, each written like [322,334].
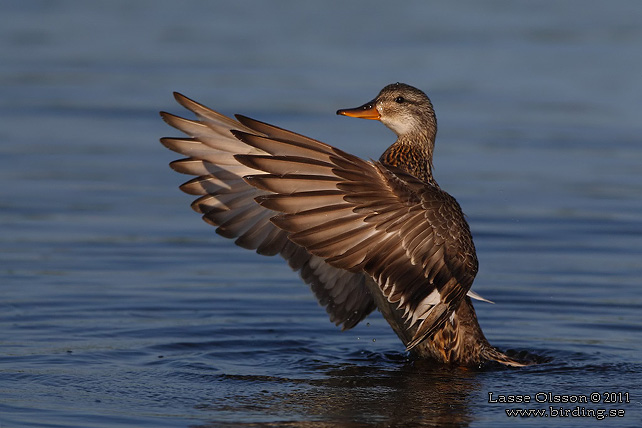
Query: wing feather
[381,207]
[227,201]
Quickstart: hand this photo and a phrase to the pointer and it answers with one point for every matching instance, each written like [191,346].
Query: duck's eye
[400,100]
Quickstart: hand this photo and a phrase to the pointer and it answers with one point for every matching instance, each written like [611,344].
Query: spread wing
[409,236]
[228,202]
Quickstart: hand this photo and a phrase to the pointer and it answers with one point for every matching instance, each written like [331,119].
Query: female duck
[363,234]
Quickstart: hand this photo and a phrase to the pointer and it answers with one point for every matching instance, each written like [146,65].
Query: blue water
[119,307]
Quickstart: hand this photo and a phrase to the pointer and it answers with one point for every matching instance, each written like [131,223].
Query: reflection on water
[400,393]
[367,390]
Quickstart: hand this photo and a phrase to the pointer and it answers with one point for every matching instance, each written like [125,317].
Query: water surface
[120,307]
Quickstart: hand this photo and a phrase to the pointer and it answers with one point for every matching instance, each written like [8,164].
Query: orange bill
[366,111]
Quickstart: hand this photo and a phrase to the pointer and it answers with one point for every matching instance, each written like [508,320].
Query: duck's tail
[460,341]
[491,353]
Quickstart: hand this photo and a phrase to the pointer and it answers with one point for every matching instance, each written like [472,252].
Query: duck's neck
[412,153]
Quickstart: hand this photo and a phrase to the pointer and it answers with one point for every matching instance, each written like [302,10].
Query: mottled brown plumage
[362,234]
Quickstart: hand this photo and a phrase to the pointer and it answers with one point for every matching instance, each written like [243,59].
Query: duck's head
[406,110]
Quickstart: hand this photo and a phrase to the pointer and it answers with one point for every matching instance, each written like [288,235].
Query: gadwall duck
[362,234]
